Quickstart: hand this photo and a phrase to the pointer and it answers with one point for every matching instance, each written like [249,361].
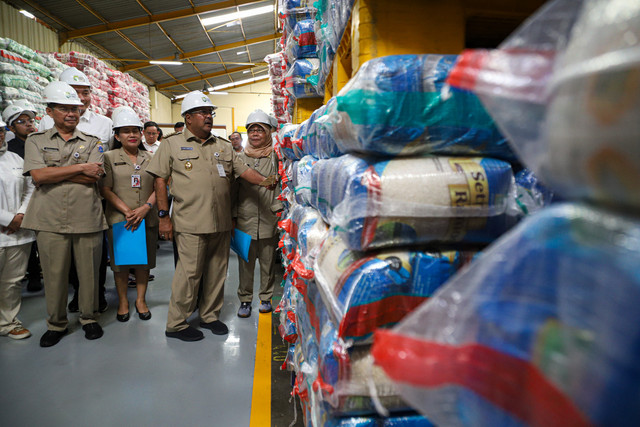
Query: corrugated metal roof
[186,32]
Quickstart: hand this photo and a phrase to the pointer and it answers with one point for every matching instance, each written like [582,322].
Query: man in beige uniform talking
[201,168]
[65,210]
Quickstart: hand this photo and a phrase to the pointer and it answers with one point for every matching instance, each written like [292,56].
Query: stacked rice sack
[280,98]
[109,88]
[24,74]
[400,225]
[543,328]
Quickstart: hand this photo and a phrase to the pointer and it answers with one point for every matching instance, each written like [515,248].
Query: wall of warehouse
[234,108]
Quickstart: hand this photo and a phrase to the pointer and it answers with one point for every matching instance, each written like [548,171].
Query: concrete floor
[133,375]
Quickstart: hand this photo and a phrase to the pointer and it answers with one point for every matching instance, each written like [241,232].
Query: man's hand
[14,225]
[92,169]
[135,217]
[166,229]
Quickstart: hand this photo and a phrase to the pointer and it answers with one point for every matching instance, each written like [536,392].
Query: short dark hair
[150,124]
[237,133]
[178,125]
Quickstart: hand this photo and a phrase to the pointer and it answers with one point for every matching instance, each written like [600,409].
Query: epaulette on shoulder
[223,139]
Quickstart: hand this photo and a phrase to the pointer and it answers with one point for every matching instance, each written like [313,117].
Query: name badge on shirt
[50,149]
[135,181]
[119,163]
[186,148]
[221,171]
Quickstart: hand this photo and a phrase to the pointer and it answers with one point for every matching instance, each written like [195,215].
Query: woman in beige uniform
[128,190]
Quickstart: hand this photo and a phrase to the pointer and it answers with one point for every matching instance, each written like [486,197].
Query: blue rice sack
[309,231]
[318,142]
[542,329]
[301,180]
[301,42]
[397,105]
[298,79]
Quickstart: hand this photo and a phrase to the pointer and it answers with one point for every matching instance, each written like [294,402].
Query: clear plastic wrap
[301,42]
[301,180]
[287,310]
[285,140]
[542,329]
[377,203]
[396,105]
[564,89]
[318,142]
[309,232]
[366,291]
[297,78]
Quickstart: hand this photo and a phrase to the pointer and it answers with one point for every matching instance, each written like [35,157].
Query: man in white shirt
[101,127]
[92,123]
[15,242]
[151,132]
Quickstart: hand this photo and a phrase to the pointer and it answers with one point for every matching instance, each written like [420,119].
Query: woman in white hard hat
[15,242]
[255,213]
[128,190]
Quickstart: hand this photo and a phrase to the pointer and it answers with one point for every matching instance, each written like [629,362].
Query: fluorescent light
[242,52]
[165,62]
[217,93]
[180,96]
[237,15]
[240,82]
[27,14]
[246,71]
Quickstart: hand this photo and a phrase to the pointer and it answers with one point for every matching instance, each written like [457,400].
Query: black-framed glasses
[66,110]
[256,129]
[202,112]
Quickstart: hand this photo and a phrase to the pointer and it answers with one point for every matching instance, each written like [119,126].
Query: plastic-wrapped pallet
[301,180]
[406,201]
[309,232]
[397,105]
[366,291]
[564,89]
[301,42]
[318,142]
[542,329]
[289,141]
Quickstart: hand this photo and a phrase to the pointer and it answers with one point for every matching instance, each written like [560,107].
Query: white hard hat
[195,99]
[260,116]
[26,105]
[119,110]
[74,77]
[61,93]
[14,111]
[2,124]
[126,118]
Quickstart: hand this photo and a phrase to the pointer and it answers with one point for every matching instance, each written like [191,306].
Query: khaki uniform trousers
[264,250]
[200,256]
[13,265]
[55,259]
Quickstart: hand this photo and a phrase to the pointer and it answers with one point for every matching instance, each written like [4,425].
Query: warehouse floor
[135,376]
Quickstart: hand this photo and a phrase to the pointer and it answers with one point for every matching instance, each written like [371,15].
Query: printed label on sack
[476,191]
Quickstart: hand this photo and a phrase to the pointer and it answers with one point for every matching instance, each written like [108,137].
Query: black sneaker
[245,310]
[217,327]
[73,304]
[51,338]
[92,331]
[188,334]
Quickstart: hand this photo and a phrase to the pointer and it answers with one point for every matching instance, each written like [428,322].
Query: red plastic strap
[319,384]
[510,383]
[465,72]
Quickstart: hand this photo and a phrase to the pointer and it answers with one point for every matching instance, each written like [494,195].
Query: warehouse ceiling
[215,41]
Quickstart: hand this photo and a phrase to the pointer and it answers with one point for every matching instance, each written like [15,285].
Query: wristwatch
[162,213]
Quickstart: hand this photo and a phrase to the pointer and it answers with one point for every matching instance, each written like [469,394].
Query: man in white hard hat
[255,214]
[65,210]
[201,168]
[21,121]
[97,125]
[20,117]
[15,241]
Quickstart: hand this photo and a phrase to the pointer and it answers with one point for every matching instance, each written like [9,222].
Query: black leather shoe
[34,285]
[143,316]
[122,317]
[51,338]
[217,327]
[73,304]
[92,331]
[188,334]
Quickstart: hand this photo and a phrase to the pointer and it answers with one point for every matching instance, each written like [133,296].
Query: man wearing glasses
[97,125]
[201,167]
[65,210]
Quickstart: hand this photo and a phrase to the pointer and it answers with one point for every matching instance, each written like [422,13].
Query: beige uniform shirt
[255,207]
[120,172]
[201,175]
[63,207]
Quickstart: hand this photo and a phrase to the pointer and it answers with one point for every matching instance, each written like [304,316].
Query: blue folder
[240,242]
[129,247]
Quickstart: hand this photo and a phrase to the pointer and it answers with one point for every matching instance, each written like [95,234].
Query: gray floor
[133,375]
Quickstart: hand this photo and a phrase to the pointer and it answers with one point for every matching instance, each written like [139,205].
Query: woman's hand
[135,217]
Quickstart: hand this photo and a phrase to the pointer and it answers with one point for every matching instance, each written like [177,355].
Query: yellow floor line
[261,396]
